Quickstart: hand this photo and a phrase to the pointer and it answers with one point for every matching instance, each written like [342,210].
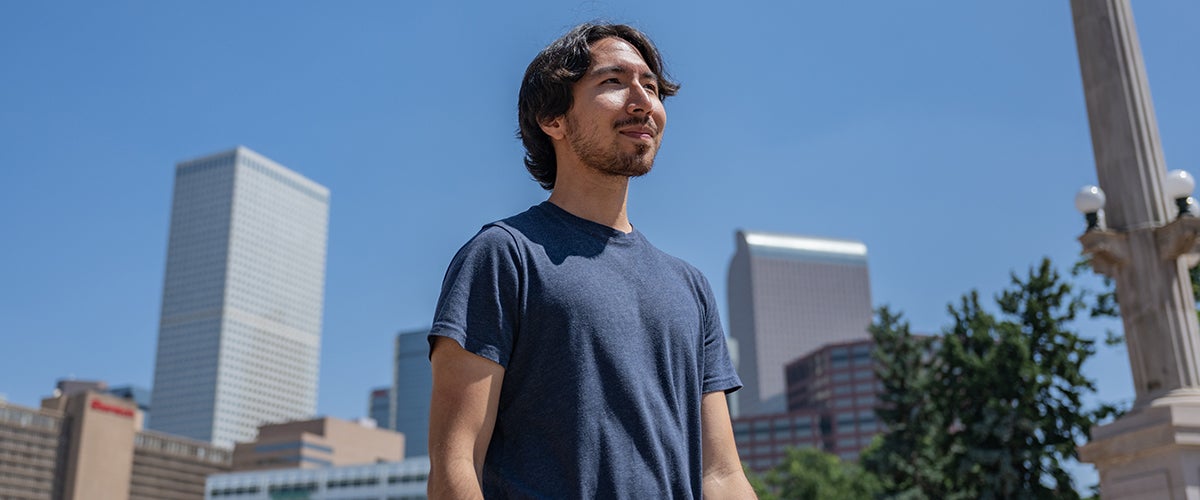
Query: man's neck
[598,198]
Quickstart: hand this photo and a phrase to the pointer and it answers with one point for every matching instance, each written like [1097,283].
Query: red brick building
[831,398]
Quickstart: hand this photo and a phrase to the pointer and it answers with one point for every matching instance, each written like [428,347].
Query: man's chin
[638,173]
[627,166]
[629,170]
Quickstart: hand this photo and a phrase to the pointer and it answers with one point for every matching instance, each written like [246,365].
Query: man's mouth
[638,134]
[637,128]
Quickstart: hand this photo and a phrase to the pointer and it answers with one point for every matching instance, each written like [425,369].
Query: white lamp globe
[1178,184]
[1089,200]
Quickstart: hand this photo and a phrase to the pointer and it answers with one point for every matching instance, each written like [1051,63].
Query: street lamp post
[1146,246]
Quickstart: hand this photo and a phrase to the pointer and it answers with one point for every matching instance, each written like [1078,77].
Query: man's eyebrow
[621,70]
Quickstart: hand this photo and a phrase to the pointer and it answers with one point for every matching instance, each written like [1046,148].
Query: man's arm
[462,414]
[723,475]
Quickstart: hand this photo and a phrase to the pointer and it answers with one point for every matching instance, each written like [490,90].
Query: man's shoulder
[511,230]
[514,223]
[507,233]
[537,226]
[494,234]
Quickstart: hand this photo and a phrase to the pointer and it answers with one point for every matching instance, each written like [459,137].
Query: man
[571,358]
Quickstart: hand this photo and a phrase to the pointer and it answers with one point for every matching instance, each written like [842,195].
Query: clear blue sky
[949,136]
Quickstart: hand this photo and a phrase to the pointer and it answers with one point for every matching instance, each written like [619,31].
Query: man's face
[616,119]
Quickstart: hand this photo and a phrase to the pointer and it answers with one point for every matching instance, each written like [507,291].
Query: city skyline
[948,138]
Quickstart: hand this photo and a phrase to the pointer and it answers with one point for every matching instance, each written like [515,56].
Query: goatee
[612,160]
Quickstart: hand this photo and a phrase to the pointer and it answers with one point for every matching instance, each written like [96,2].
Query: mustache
[636,120]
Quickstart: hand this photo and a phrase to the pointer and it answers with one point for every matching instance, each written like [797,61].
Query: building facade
[379,407]
[412,387]
[90,445]
[170,467]
[789,295]
[240,326]
[831,399]
[322,442]
[405,480]
[31,444]
[763,440]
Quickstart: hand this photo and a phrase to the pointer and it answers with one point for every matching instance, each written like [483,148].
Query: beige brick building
[321,442]
[29,451]
[90,446]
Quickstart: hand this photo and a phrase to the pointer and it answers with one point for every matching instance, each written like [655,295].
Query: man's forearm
[729,485]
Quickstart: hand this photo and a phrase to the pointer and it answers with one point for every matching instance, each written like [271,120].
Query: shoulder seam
[522,273]
[509,231]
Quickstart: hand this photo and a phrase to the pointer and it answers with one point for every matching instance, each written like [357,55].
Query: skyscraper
[788,296]
[379,407]
[240,329]
[412,387]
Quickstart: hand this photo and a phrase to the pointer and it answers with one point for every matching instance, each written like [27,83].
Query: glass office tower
[412,386]
[379,407]
[789,296]
[240,330]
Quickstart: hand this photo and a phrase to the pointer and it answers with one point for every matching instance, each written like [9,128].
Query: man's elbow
[453,479]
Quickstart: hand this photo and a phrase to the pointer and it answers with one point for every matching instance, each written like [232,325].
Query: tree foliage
[808,473]
[908,459]
[993,407]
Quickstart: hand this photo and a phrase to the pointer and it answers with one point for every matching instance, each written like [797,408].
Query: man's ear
[554,127]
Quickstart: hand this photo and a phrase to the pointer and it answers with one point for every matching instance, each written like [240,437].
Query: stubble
[609,158]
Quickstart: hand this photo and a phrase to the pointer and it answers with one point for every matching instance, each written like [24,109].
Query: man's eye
[651,87]
[612,80]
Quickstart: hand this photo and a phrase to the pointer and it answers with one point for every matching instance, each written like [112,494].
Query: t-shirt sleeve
[480,299]
[719,374]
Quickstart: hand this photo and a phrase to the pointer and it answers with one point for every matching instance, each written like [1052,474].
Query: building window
[845,420]
[292,445]
[284,489]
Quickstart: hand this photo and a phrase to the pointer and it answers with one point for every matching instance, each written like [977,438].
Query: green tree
[808,473]
[907,458]
[993,407]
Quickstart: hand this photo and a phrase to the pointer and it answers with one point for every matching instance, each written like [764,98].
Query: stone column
[1154,451]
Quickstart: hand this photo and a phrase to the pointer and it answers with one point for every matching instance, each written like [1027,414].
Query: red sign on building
[99,405]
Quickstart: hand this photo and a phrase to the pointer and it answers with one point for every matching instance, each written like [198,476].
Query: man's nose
[641,101]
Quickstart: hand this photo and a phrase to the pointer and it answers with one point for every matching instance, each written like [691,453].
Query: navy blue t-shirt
[608,345]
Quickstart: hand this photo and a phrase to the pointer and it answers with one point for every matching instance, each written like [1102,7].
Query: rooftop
[803,247]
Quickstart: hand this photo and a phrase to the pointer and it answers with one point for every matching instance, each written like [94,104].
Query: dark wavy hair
[546,89]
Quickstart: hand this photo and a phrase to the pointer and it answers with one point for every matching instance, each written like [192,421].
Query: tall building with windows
[789,295]
[240,328]
[379,407]
[832,394]
[412,387]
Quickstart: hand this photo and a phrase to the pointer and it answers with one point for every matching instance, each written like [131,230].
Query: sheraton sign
[99,405]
